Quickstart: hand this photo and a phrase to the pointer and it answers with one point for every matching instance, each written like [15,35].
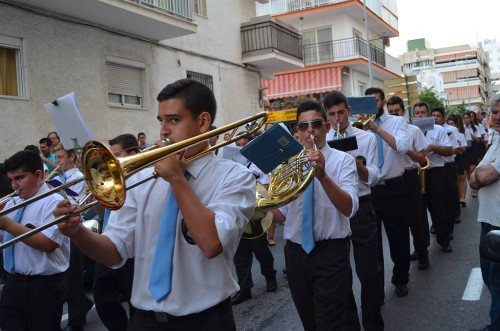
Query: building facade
[335,49]
[116,55]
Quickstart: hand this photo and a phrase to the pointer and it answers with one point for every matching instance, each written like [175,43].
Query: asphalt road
[435,301]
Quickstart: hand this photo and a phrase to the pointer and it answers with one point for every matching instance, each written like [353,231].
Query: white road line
[474,286]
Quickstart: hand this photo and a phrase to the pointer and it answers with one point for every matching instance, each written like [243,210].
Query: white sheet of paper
[68,121]
[424,123]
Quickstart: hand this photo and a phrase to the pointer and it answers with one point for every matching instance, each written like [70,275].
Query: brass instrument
[106,175]
[8,197]
[288,182]
[361,124]
[421,175]
[53,172]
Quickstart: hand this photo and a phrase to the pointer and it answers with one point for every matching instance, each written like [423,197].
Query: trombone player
[183,228]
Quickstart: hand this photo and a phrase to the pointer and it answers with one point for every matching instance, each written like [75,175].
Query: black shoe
[401,290]
[271,284]
[463,203]
[240,297]
[414,256]
[73,328]
[432,230]
[423,264]
[447,248]
[457,220]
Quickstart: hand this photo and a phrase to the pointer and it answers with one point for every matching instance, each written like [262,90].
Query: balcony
[150,19]
[382,14]
[270,46]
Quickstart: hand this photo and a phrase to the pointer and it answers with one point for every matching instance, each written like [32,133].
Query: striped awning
[456,56]
[460,93]
[303,83]
[453,76]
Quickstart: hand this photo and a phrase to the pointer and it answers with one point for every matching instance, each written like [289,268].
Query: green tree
[460,109]
[430,97]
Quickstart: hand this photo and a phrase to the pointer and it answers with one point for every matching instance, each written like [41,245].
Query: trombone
[8,197]
[105,174]
[361,124]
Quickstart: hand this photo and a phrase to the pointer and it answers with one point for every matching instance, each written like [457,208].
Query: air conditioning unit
[386,41]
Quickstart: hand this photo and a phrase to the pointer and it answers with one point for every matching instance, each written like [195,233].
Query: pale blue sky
[446,23]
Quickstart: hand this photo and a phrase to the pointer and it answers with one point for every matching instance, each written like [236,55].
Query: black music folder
[344,144]
[270,149]
[363,105]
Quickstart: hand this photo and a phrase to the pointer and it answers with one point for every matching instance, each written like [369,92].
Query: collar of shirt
[195,167]
[384,117]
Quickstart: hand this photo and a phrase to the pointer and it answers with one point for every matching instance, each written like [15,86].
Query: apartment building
[492,48]
[116,55]
[464,69]
[335,48]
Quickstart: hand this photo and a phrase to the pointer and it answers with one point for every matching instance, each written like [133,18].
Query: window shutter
[124,80]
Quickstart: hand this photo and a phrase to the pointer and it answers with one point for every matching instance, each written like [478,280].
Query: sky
[446,23]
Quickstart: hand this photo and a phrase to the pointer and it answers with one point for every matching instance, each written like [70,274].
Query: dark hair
[140,134]
[456,120]
[395,100]
[334,98]
[422,104]
[197,97]
[375,90]
[24,160]
[472,124]
[32,148]
[127,142]
[5,187]
[46,141]
[438,109]
[309,105]
[48,134]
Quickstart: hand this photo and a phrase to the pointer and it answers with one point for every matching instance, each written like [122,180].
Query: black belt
[390,181]
[365,198]
[167,318]
[449,164]
[411,171]
[24,278]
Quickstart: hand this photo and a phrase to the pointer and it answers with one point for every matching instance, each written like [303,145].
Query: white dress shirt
[437,137]
[31,261]
[394,160]
[79,188]
[367,147]
[418,143]
[225,187]
[461,140]
[329,222]
[453,135]
[489,195]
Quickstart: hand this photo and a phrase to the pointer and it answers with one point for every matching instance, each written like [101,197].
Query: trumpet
[360,124]
[8,197]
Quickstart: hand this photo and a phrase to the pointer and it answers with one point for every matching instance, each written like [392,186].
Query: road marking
[474,286]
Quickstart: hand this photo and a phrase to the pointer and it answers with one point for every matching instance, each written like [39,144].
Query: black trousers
[413,212]
[110,287]
[35,304]
[243,261]
[319,283]
[365,249]
[388,203]
[452,199]
[217,318]
[76,294]
[434,200]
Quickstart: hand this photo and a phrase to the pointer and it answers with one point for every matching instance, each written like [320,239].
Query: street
[435,301]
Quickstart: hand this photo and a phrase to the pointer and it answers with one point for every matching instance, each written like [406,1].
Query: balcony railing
[179,8]
[269,35]
[341,50]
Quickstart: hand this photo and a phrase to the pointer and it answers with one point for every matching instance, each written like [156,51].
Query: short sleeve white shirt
[418,143]
[438,137]
[489,195]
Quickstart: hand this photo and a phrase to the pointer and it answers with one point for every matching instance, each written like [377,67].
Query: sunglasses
[315,124]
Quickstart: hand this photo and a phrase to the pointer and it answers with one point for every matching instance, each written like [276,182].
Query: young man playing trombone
[33,296]
[198,210]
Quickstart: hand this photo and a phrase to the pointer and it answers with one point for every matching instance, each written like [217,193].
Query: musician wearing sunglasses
[393,142]
[36,288]
[317,227]
[363,223]
[183,228]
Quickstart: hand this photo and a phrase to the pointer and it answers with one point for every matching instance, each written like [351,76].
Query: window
[200,7]
[204,79]
[11,67]
[126,82]
[318,46]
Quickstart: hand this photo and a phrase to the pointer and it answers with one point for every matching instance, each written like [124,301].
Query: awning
[303,83]
[456,56]
[460,93]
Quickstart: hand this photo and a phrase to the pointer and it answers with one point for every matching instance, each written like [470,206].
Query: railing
[340,50]
[182,9]
[269,35]
[276,7]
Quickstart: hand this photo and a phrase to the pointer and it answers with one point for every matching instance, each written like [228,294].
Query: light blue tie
[106,218]
[380,146]
[8,253]
[63,178]
[307,219]
[160,282]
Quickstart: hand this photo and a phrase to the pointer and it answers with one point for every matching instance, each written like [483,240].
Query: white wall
[61,57]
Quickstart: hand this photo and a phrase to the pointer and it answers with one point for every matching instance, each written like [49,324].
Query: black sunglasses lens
[303,126]
[317,124]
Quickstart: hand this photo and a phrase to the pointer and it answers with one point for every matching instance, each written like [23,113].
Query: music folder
[344,144]
[424,123]
[363,105]
[270,149]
